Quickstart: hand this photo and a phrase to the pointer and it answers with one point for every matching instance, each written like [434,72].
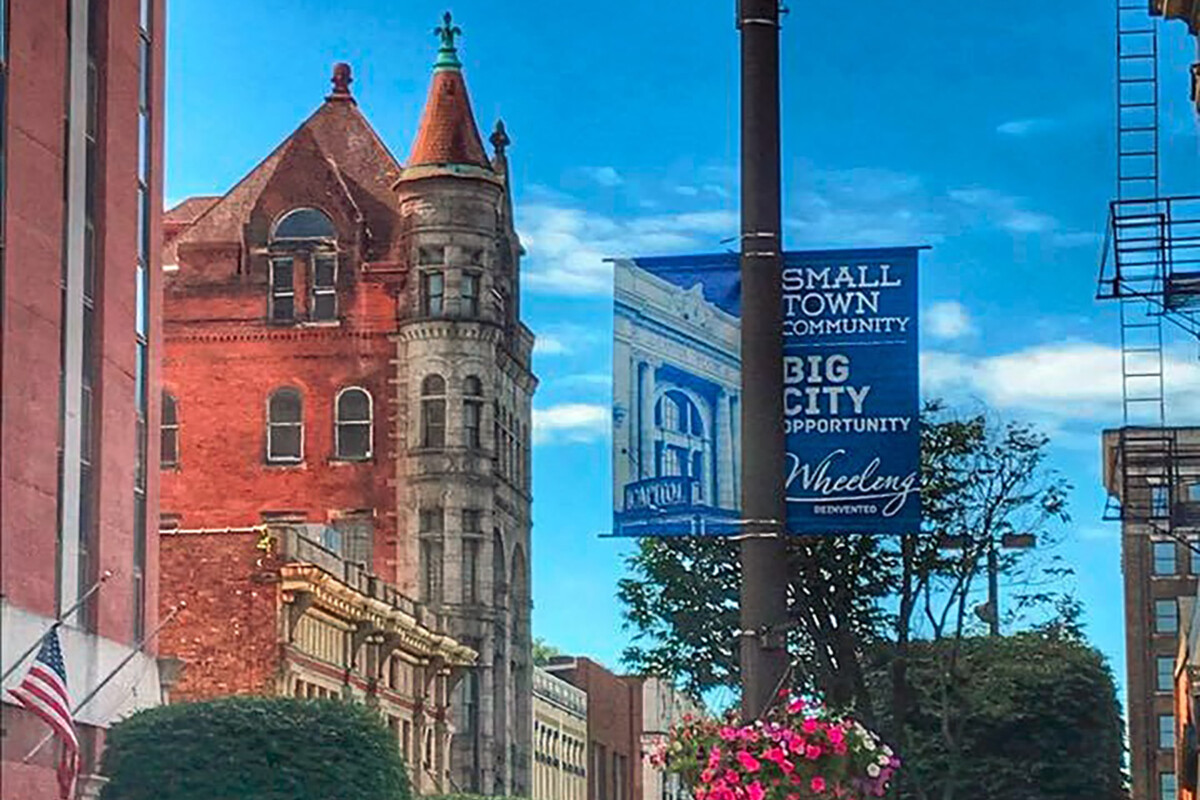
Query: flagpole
[90,695]
[108,573]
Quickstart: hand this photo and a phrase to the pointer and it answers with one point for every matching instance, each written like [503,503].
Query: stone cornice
[423,329]
[340,600]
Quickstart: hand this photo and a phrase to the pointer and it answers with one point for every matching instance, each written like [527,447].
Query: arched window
[304,238]
[681,447]
[285,427]
[304,224]
[473,412]
[169,433]
[433,411]
[354,417]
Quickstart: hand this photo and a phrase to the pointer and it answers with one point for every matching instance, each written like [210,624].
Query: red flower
[812,752]
[755,791]
[818,784]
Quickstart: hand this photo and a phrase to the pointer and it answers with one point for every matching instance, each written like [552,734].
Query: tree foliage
[543,652]
[860,604]
[254,748]
[1034,716]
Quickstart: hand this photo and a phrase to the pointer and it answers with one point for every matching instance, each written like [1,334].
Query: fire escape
[1151,268]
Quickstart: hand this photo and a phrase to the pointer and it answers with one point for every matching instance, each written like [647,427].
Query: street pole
[993,571]
[764,613]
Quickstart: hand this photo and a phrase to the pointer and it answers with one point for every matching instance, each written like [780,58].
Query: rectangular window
[1166,673]
[470,570]
[1193,491]
[431,571]
[472,422]
[1166,786]
[433,423]
[324,288]
[1164,558]
[469,294]
[472,520]
[283,290]
[1160,501]
[1166,616]
[433,293]
[1166,732]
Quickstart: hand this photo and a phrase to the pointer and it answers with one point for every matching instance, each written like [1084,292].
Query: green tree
[543,652]
[1033,716]
[254,748]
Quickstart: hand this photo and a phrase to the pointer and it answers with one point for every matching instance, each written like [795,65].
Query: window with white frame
[323,302]
[169,433]
[285,427]
[354,419]
[283,290]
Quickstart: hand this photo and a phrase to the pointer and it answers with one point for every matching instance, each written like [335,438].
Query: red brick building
[614,724]
[81,88]
[345,358]
[272,612]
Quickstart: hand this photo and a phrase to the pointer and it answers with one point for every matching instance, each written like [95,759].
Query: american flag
[44,692]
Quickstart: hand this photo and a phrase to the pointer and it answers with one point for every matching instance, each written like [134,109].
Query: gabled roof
[339,131]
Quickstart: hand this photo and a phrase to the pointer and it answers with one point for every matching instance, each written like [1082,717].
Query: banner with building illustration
[851,394]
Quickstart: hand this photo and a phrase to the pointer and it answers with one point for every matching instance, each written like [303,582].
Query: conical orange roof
[447,134]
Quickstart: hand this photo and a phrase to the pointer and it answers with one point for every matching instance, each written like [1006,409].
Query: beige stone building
[663,706]
[560,736]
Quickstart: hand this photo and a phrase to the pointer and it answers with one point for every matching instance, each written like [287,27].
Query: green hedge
[254,748]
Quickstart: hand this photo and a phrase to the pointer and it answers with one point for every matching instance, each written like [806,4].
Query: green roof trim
[447,54]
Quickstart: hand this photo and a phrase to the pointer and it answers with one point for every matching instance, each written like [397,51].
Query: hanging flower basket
[800,751]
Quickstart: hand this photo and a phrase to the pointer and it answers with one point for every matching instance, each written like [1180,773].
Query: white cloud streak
[571,423]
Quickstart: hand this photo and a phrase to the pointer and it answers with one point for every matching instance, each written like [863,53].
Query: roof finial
[499,138]
[341,81]
[447,53]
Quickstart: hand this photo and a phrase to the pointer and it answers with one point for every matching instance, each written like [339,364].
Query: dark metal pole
[993,570]
[764,658]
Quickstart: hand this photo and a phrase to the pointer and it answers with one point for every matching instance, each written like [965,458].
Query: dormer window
[304,240]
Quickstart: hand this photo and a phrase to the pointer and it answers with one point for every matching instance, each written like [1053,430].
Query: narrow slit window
[433,293]
[433,411]
[169,455]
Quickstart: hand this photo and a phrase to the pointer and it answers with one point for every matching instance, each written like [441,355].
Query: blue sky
[987,136]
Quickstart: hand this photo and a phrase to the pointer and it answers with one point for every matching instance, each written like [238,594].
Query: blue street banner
[851,394]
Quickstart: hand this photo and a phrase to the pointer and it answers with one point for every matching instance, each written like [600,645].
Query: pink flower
[812,752]
[787,767]
[840,748]
[818,784]
[836,735]
[748,762]
[795,707]
[714,756]
[755,791]
[810,725]
[775,754]
[732,777]
[728,734]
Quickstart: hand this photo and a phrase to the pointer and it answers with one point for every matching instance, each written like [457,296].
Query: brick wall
[227,636]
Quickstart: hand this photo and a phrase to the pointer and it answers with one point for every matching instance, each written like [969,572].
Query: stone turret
[463,374]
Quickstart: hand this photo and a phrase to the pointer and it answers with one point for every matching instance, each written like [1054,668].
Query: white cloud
[567,246]
[590,379]
[605,176]
[571,423]
[547,344]
[1024,127]
[1009,213]
[1058,383]
[948,320]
